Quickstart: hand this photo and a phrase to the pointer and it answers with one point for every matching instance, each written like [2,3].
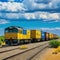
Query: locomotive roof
[17,27]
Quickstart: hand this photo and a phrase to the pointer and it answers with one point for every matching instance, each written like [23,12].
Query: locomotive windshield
[11,30]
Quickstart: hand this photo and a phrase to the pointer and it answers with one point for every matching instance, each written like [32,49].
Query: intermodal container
[36,35]
[47,36]
[43,35]
[50,35]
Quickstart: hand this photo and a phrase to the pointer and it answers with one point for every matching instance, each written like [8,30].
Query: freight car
[43,36]
[47,36]
[16,35]
[56,36]
[35,35]
[50,36]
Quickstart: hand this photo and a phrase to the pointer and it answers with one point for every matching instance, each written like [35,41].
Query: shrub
[54,43]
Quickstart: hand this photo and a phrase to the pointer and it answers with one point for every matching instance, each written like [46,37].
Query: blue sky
[30,14]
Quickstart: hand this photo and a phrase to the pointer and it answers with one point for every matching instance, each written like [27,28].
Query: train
[15,35]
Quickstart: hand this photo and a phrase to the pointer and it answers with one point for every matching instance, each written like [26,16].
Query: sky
[30,14]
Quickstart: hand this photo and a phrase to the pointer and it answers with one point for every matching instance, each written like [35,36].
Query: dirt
[48,55]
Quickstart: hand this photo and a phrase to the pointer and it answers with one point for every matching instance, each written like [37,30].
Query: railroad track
[34,56]
[27,54]
[7,48]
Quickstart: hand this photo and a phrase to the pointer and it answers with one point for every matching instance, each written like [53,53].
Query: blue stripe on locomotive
[43,35]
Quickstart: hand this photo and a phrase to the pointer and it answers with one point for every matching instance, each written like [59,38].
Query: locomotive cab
[11,35]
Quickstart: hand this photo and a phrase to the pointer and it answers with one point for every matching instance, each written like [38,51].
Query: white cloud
[12,15]
[29,5]
[54,4]
[47,4]
[12,6]
[56,28]
[50,16]
[54,16]
[35,15]
[47,16]
[2,21]
[44,15]
[32,5]
[50,4]
[42,6]
[29,16]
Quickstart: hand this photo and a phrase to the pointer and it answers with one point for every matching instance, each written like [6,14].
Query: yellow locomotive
[16,35]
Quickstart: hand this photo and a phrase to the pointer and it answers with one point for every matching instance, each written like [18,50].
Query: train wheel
[38,40]
[29,41]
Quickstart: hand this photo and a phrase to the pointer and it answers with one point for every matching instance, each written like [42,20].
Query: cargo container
[35,35]
[50,36]
[56,36]
[47,36]
[43,35]
[53,36]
